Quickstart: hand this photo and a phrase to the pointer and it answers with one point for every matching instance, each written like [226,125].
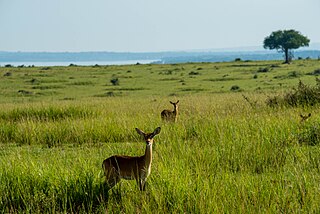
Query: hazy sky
[150,25]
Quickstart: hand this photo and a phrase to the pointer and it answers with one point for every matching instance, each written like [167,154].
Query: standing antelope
[119,167]
[169,115]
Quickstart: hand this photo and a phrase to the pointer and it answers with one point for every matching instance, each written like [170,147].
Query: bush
[194,73]
[310,135]
[315,72]
[263,70]
[304,96]
[114,81]
[294,74]
[25,92]
[235,88]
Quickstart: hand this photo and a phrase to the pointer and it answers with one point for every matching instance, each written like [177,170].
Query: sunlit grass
[39,84]
[219,156]
[227,153]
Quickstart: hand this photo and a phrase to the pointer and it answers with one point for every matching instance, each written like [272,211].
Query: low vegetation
[304,96]
[230,151]
[47,84]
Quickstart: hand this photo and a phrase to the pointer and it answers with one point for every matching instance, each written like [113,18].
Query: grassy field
[228,152]
[75,83]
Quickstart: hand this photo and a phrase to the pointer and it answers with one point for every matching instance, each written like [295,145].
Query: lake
[83,63]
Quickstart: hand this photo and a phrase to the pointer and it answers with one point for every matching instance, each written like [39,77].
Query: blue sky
[150,25]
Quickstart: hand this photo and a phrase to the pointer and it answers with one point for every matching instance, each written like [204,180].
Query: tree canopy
[284,41]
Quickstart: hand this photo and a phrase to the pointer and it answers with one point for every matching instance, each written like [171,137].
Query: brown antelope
[169,115]
[304,117]
[119,167]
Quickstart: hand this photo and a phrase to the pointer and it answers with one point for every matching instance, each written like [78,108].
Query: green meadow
[228,152]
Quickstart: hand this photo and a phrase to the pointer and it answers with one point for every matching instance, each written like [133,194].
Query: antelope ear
[171,102]
[140,132]
[177,102]
[156,131]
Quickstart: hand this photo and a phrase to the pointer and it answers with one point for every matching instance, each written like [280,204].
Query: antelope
[304,117]
[119,167]
[169,115]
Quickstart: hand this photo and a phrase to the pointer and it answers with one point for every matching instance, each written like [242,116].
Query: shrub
[263,70]
[310,135]
[235,88]
[114,81]
[194,73]
[303,95]
[25,92]
[35,81]
[293,74]
[315,72]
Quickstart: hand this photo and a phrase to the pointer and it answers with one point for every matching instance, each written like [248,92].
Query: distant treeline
[245,56]
[160,57]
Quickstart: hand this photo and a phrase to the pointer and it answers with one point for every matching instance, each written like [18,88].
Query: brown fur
[119,167]
[169,115]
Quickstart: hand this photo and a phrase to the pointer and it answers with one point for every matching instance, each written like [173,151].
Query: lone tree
[284,41]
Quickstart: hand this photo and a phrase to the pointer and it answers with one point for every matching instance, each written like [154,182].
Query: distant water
[84,63]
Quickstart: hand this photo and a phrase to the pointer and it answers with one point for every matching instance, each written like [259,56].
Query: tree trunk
[286,53]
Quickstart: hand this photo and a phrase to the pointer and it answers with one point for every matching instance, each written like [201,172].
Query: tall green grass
[222,155]
[228,152]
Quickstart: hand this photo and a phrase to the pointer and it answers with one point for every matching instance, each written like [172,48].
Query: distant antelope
[304,117]
[119,167]
[169,115]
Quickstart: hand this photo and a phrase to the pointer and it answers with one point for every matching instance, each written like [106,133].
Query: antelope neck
[175,109]
[148,154]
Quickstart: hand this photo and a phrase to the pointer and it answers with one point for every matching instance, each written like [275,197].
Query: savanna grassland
[229,152]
